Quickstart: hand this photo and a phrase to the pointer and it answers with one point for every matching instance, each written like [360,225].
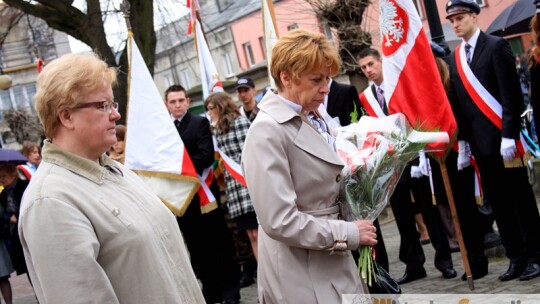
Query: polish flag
[412,82]
[209,76]
[154,150]
[270,33]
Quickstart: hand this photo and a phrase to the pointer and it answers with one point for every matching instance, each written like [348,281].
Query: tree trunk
[62,16]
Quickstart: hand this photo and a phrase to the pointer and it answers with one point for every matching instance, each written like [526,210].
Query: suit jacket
[293,179]
[342,102]
[493,64]
[197,137]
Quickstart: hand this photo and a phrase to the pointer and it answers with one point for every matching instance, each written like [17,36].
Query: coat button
[116,211]
[338,178]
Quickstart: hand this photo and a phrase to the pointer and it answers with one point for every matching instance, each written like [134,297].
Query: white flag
[154,148]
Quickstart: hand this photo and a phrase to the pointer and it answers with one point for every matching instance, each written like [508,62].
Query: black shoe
[449,273]
[513,272]
[425,242]
[246,280]
[412,275]
[532,271]
[479,271]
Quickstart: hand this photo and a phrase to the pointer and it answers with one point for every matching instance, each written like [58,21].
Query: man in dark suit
[486,64]
[206,234]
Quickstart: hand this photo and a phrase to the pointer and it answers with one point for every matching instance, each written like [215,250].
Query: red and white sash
[487,104]
[206,198]
[234,168]
[371,103]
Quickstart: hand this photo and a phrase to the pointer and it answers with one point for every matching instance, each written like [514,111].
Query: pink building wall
[250,28]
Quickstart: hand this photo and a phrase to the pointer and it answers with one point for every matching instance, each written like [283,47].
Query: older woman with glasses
[293,178]
[91,230]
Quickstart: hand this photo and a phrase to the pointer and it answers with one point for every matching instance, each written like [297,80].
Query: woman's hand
[368,235]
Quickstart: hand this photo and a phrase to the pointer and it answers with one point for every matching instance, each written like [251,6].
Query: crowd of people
[89,230]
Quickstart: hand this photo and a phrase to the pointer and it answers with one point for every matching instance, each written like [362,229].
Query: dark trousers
[514,207]
[410,250]
[212,252]
[471,221]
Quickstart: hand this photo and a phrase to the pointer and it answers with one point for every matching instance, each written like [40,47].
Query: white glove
[416,172]
[423,165]
[464,156]
[508,148]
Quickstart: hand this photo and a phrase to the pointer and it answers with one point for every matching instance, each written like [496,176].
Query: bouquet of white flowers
[375,152]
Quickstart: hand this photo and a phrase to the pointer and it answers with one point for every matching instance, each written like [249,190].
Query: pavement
[433,283]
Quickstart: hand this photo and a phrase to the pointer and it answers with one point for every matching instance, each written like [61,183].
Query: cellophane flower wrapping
[375,152]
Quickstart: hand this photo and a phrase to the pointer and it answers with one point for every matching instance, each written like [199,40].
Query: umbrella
[12,156]
[514,19]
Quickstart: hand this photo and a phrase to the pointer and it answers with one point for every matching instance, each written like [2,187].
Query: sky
[165,11]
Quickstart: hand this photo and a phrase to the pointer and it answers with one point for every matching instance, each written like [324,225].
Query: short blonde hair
[64,83]
[299,52]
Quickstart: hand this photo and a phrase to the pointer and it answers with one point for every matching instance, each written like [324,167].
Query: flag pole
[457,226]
[125,7]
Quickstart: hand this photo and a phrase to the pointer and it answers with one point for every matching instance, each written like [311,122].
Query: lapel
[332,97]
[374,91]
[480,44]
[308,138]
[184,123]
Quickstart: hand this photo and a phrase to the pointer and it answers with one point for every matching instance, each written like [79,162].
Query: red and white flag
[154,149]
[412,82]
[209,76]
[270,33]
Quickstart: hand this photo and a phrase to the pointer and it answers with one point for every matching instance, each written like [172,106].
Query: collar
[474,39]
[379,86]
[296,107]
[79,165]
[279,108]
[179,118]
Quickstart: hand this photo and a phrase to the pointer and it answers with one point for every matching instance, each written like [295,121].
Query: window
[248,52]
[228,65]
[482,3]
[186,80]
[418,5]
[263,47]
[168,80]
[292,27]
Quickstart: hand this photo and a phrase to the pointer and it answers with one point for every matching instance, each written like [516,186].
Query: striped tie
[468,52]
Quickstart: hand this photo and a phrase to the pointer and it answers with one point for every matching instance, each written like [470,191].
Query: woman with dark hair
[230,129]
[534,67]
[10,202]
[117,151]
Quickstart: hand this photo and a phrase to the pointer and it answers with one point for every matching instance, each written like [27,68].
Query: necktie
[176,123]
[380,97]
[321,126]
[468,52]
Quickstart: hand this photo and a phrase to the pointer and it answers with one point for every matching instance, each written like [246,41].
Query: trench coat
[293,178]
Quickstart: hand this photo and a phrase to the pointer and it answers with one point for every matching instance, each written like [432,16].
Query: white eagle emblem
[391,23]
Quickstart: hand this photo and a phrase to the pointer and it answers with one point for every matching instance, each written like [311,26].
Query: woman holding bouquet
[293,178]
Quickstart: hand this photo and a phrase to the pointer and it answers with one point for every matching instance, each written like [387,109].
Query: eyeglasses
[103,106]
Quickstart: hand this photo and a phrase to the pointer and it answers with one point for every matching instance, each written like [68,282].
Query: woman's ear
[66,118]
[285,79]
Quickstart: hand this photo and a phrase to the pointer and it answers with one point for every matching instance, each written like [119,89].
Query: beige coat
[293,179]
[97,234]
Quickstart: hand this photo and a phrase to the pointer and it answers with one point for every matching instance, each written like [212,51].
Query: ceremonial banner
[412,82]
[270,33]
[209,76]
[154,150]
